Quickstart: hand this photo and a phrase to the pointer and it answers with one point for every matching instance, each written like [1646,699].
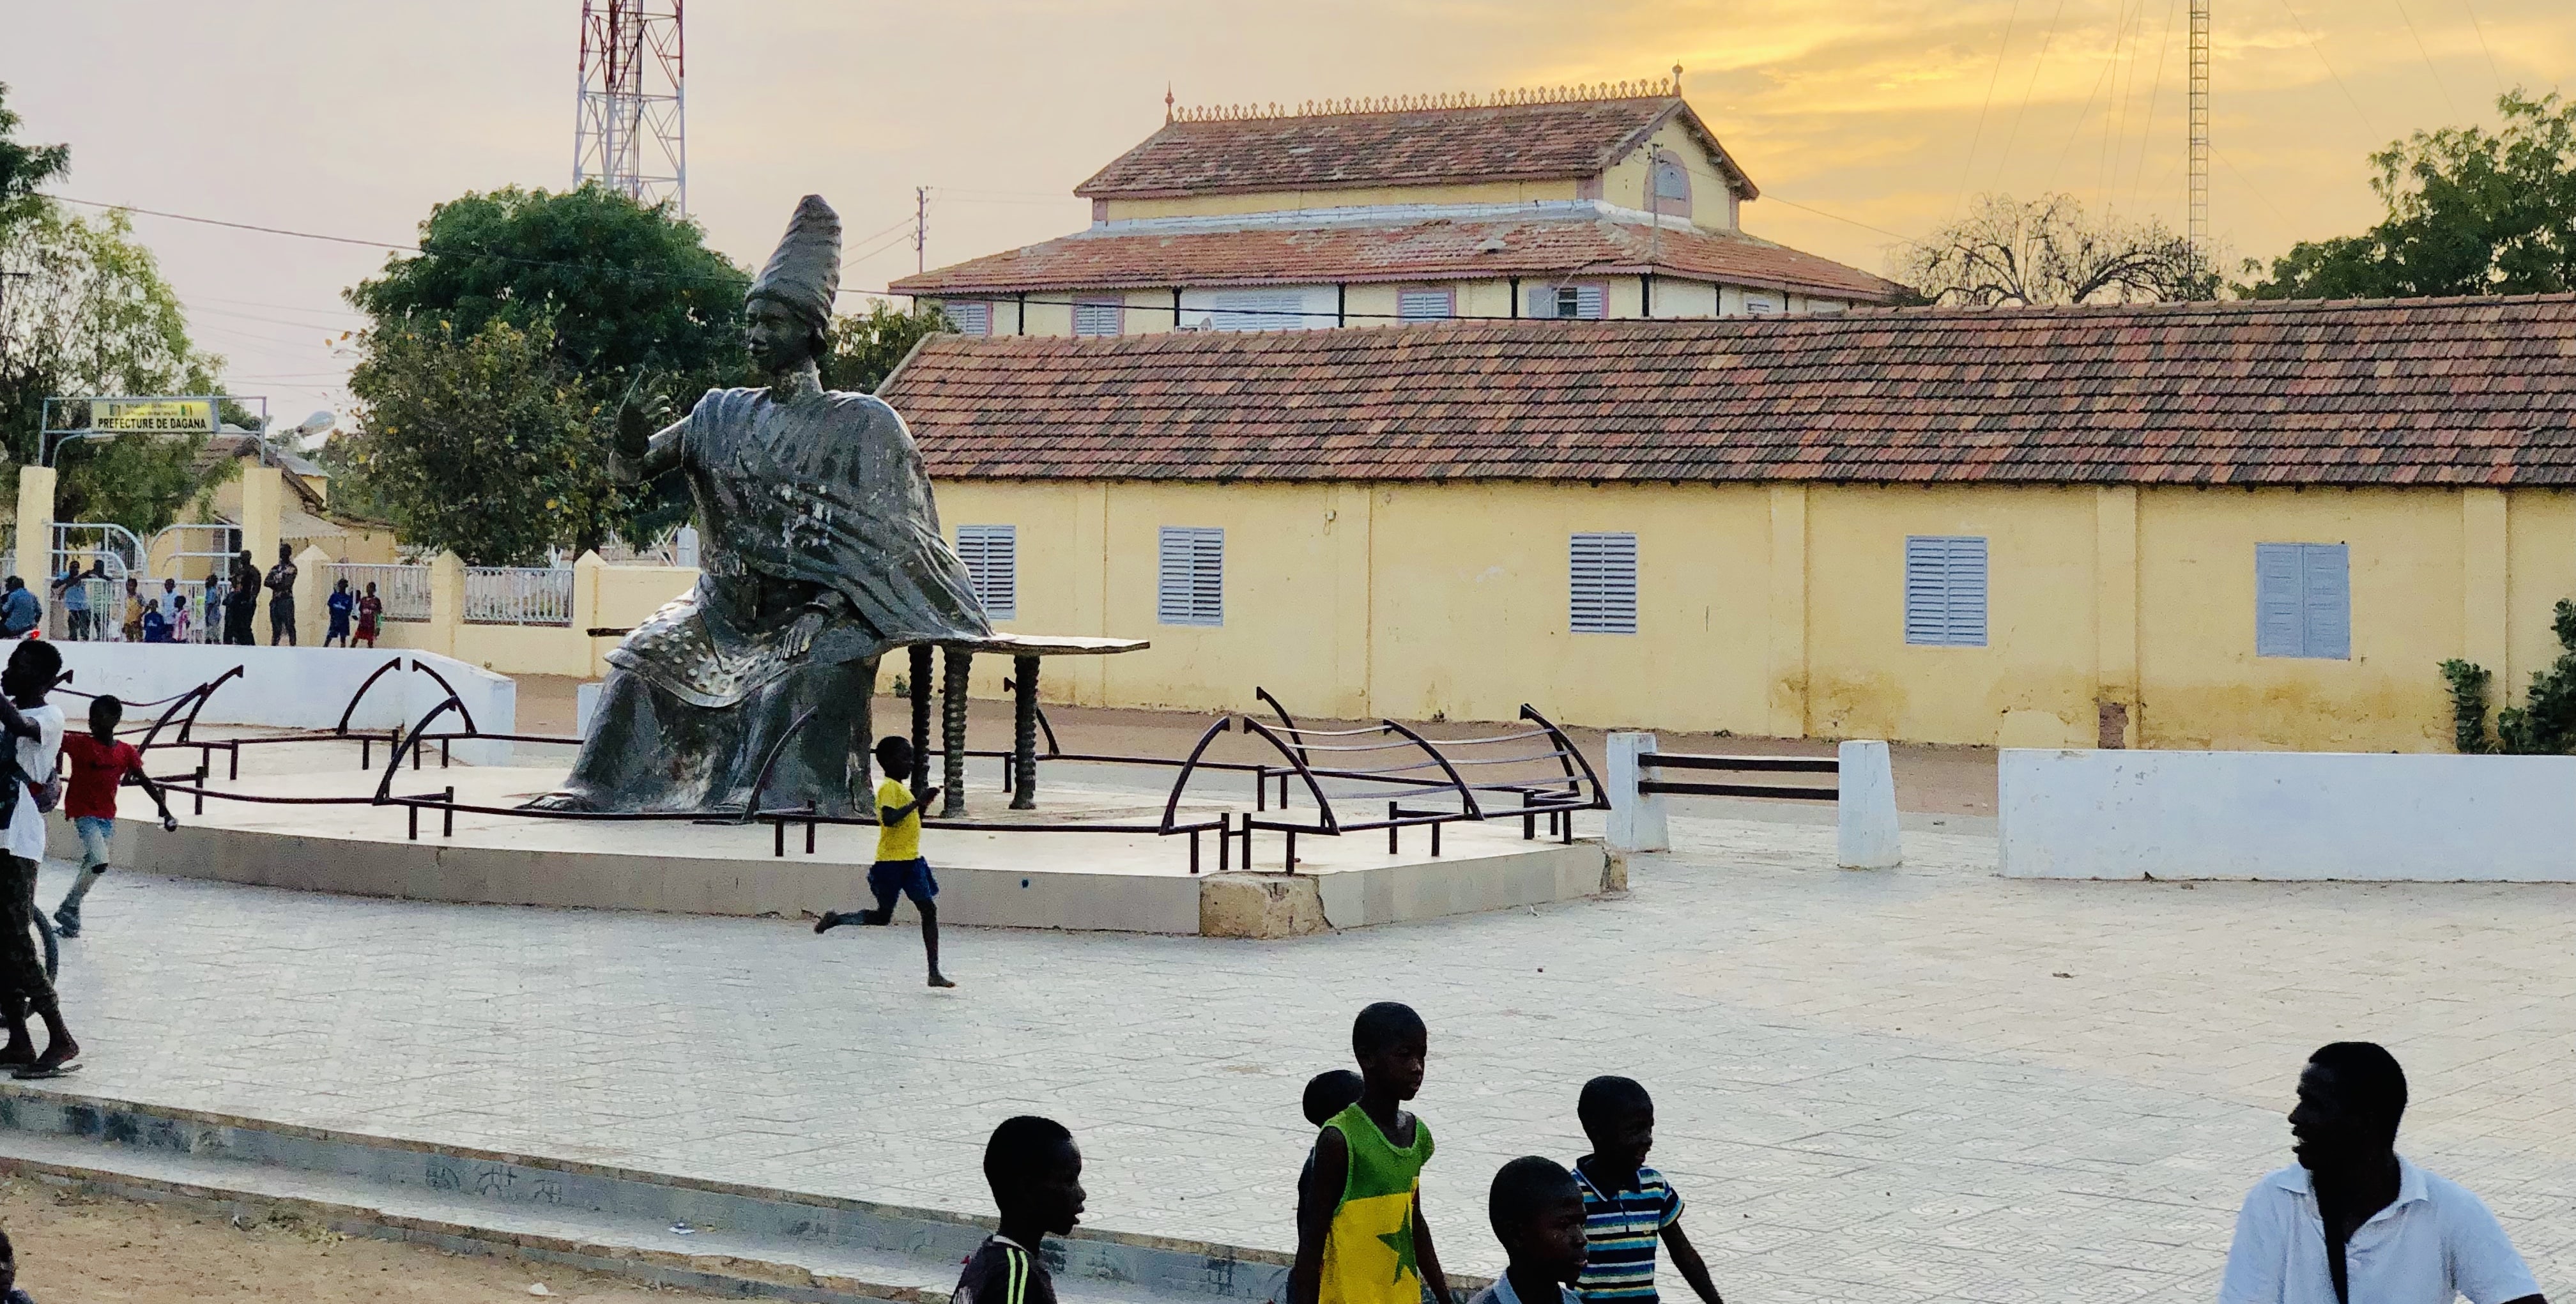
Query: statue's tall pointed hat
[805,273]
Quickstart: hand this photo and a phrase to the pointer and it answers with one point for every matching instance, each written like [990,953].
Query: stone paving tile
[1922,1085]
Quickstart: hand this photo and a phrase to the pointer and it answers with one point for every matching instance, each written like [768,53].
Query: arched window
[1672,185]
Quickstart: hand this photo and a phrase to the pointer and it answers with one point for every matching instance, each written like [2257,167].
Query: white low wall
[2287,815]
[295,687]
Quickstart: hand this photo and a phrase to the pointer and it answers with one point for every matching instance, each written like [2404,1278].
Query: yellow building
[2201,525]
[1605,202]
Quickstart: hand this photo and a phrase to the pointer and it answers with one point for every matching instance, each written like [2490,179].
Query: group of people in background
[2351,1222]
[226,611]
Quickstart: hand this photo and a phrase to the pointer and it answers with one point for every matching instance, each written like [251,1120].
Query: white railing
[403,589]
[518,595]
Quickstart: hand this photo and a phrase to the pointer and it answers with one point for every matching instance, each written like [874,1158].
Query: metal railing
[403,589]
[518,595]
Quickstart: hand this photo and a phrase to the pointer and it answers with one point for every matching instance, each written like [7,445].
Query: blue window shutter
[1926,591]
[1588,302]
[991,554]
[2327,600]
[1542,301]
[1966,614]
[1603,584]
[2280,600]
[1190,580]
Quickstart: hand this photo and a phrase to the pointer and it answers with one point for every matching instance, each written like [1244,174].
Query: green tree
[2050,251]
[866,346]
[2469,211]
[632,294]
[634,305]
[482,443]
[24,167]
[89,313]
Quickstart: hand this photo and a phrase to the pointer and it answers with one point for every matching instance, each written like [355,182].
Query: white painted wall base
[295,687]
[1866,835]
[2288,815]
[1636,819]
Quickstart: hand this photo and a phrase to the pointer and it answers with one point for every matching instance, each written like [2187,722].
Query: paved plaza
[1922,1084]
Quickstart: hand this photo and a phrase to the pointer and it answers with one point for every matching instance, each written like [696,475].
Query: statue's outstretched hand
[634,433]
[800,636]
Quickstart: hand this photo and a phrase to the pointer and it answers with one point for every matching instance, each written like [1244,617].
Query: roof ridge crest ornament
[1507,97]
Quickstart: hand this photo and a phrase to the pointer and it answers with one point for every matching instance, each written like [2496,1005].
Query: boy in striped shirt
[1627,1205]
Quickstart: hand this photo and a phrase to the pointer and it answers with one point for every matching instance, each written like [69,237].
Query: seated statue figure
[820,550]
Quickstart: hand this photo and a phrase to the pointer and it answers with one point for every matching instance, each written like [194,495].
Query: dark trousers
[22,964]
[281,620]
[237,624]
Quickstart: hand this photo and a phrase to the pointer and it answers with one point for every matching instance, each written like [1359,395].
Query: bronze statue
[820,550]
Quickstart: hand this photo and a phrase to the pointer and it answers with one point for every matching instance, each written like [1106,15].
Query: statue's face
[777,335]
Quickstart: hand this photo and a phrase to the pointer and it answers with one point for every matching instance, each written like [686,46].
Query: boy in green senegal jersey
[1361,1237]
[900,869]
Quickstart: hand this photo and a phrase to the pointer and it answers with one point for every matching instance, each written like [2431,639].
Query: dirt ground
[1930,779]
[75,1249]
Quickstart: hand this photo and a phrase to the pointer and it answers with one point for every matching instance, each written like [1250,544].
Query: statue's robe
[811,500]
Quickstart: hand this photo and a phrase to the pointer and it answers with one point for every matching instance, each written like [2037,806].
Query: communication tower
[2197,227]
[630,133]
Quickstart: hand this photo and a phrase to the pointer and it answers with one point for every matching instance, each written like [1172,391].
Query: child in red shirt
[99,764]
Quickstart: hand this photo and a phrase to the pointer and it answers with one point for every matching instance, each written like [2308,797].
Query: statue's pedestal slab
[1131,882]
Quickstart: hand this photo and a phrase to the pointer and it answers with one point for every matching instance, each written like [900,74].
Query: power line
[2037,66]
[1840,218]
[2438,83]
[1967,170]
[2483,47]
[2318,49]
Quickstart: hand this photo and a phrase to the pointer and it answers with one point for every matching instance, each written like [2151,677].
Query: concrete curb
[1155,1264]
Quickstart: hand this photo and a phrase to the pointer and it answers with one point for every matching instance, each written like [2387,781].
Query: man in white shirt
[2351,1222]
[35,726]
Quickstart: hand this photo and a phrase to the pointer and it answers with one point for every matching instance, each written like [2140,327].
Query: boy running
[1035,1171]
[99,764]
[900,869]
[1361,1237]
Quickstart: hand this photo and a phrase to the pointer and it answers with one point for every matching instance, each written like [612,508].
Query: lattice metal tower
[631,131]
[2198,217]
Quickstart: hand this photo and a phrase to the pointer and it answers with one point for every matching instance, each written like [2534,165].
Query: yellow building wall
[2201,684]
[1780,609]
[2035,679]
[1287,201]
[1628,181]
[1471,610]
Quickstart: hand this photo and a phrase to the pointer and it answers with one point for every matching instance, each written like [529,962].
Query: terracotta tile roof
[1436,249]
[1412,147]
[2414,392]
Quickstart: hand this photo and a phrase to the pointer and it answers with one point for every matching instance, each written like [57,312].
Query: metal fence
[403,589]
[518,595]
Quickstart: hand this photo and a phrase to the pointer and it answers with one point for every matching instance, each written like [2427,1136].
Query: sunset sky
[1864,121]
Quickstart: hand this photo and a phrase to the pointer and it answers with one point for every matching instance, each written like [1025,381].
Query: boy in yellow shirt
[900,869]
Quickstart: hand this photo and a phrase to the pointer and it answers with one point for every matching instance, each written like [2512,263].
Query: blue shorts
[891,878]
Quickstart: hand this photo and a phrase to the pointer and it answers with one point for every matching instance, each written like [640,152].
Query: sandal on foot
[830,920]
[35,1073]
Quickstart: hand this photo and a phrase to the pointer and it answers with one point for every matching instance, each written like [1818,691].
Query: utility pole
[2197,220]
[920,228]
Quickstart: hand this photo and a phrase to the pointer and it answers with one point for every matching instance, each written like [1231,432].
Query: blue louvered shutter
[1945,591]
[1966,615]
[1190,584]
[2326,600]
[2280,600]
[992,557]
[1603,584]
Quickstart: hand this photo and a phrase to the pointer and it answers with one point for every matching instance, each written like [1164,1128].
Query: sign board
[153,416]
